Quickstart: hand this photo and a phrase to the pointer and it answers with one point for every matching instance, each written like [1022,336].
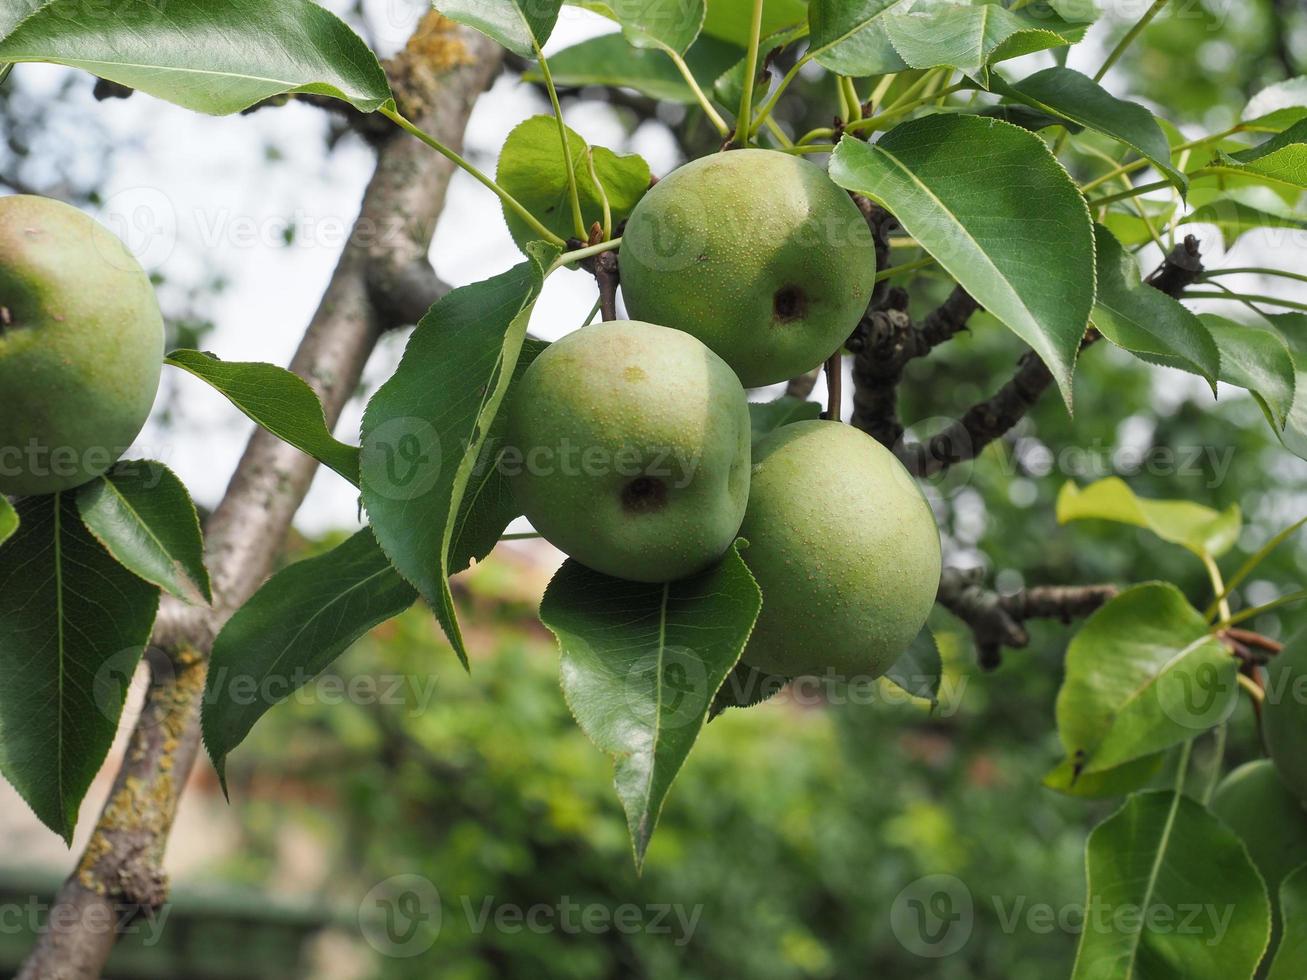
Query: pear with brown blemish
[628,449]
[758,254]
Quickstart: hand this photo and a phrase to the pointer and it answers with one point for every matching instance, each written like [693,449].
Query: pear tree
[868,181]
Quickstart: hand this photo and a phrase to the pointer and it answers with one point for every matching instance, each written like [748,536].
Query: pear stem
[744,121]
[510,202]
[578,222]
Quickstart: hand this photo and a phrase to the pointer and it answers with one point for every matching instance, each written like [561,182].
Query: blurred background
[396,789]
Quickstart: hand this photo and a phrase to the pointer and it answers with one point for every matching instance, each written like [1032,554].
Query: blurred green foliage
[782,849]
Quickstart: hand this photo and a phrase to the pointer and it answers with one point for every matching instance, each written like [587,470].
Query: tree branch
[999,621]
[439,77]
[608,276]
[988,420]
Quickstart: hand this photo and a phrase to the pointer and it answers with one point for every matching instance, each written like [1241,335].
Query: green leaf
[920,668]
[1019,114]
[519,25]
[1159,863]
[767,417]
[1071,95]
[1202,530]
[214,56]
[673,24]
[745,687]
[641,664]
[532,168]
[1142,674]
[302,619]
[1076,11]
[608,60]
[142,515]
[729,19]
[1144,320]
[276,399]
[1292,329]
[1281,161]
[8,519]
[1290,961]
[852,38]
[424,428]
[488,504]
[1278,106]
[969,36]
[1235,218]
[873,37]
[14,12]
[1022,246]
[1257,360]
[73,625]
[1066,778]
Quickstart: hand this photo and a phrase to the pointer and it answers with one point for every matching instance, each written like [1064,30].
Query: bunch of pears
[634,440]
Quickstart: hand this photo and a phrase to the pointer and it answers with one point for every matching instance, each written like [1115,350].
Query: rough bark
[992,418]
[998,621]
[382,278]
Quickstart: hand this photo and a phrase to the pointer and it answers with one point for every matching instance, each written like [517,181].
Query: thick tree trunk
[382,279]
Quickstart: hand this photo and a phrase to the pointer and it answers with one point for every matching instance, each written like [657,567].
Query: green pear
[845,549]
[1284,714]
[628,449]
[758,254]
[81,347]
[1253,802]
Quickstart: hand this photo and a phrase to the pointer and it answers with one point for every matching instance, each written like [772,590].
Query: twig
[608,277]
[834,386]
[885,343]
[998,621]
[122,864]
[605,266]
[995,416]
